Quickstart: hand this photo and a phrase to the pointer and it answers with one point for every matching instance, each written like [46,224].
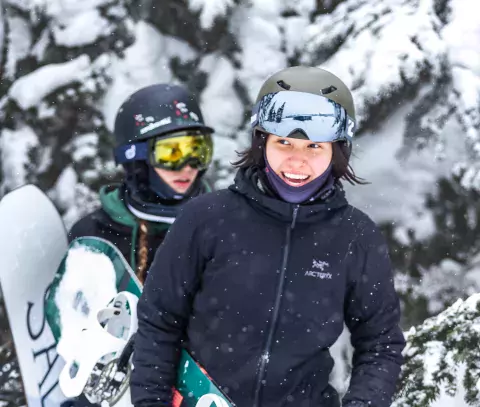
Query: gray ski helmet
[155,110]
[316,81]
[308,103]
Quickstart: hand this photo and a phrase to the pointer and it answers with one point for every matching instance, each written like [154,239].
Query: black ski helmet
[151,112]
[155,110]
[316,81]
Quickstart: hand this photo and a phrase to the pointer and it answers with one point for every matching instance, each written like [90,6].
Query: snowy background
[413,65]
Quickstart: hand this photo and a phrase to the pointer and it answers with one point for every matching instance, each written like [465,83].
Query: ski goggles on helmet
[287,113]
[173,152]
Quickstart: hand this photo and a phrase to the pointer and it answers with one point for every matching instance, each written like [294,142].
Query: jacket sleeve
[372,314]
[163,312]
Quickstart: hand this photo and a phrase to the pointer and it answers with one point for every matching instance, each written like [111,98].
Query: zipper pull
[295,213]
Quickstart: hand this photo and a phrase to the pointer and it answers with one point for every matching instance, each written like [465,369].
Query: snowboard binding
[98,363]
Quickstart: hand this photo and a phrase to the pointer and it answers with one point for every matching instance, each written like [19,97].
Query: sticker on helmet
[181,106]
[151,126]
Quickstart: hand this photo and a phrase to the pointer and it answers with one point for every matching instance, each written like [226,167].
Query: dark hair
[342,170]
[141,271]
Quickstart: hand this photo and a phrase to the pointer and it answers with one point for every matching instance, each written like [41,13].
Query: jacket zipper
[281,282]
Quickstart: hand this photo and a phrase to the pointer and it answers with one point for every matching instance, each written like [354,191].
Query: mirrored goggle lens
[319,118]
[175,152]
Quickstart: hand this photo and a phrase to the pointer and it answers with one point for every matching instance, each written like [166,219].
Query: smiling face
[297,161]
[179,181]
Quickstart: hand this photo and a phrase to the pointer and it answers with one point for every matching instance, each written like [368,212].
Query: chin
[181,190]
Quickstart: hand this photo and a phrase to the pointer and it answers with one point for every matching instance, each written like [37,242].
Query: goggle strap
[254,116]
[131,152]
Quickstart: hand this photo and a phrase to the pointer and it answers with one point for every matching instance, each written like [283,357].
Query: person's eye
[284,142]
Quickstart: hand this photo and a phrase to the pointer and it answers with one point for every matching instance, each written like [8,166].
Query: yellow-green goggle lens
[175,152]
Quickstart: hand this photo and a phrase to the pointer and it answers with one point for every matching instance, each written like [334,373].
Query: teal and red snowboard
[93,274]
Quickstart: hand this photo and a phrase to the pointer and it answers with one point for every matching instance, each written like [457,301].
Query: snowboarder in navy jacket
[257,281]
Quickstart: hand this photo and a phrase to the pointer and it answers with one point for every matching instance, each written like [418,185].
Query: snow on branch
[73,23]
[210,10]
[82,29]
[30,89]
[442,356]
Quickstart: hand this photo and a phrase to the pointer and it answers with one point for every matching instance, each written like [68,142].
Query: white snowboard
[33,241]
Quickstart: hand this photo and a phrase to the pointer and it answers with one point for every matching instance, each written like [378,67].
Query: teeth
[296,176]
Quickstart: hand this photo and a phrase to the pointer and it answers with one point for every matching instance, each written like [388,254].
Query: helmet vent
[326,91]
[283,85]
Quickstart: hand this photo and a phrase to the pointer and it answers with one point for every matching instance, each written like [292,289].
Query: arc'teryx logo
[320,265]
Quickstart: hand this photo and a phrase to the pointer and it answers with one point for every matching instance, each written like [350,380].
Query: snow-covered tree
[442,358]
[389,52]
[57,70]
[433,272]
